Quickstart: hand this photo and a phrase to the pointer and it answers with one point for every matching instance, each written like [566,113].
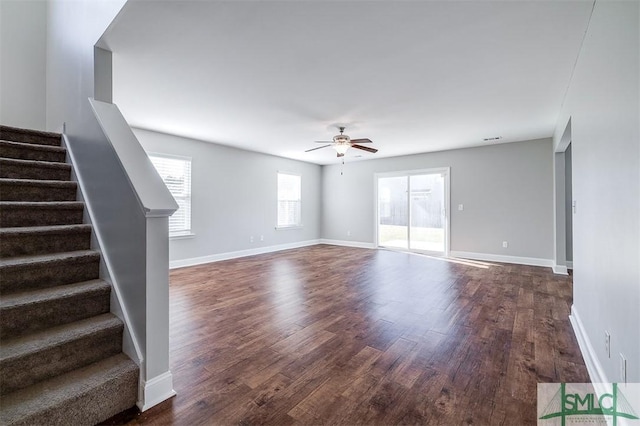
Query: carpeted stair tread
[29,311]
[29,136]
[39,356]
[46,258]
[30,169]
[37,190]
[59,292]
[30,151]
[21,213]
[82,397]
[30,240]
[40,182]
[26,345]
[53,229]
[47,270]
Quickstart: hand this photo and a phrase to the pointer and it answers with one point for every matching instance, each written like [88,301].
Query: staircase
[61,359]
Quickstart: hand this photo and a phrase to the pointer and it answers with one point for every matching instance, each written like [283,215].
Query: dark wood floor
[335,335]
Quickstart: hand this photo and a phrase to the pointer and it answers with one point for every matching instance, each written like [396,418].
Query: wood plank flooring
[335,335]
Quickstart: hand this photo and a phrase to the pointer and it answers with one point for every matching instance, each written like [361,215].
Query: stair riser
[31,276]
[19,171]
[22,372]
[43,243]
[19,321]
[19,216]
[17,136]
[26,153]
[28,192]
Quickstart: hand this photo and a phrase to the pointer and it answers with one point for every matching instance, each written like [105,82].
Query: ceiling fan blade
[320,147]
[365,140]
[365,148]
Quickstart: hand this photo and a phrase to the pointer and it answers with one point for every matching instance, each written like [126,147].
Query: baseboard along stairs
[61,359]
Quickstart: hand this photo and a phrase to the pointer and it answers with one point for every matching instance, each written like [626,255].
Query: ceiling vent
[495,138]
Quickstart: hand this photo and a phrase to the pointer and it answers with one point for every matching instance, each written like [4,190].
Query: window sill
[289,228]
[181,236]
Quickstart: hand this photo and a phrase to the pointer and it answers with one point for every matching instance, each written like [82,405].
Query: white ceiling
[412,76]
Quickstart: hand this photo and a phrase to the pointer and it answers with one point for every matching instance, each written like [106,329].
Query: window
[289,200]
[176,174]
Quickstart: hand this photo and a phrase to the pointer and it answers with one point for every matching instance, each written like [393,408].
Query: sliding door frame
[446,171]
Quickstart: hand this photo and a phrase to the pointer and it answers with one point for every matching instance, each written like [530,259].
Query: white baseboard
[344,243]
[155,391]
[236,254]
[531,261]
[596,372]
[560,270]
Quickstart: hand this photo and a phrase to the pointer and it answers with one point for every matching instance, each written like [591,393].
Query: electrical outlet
[460,207]
[505,244]
[607,343]
[623,369]
[251,239]
[261,237]
[348,233]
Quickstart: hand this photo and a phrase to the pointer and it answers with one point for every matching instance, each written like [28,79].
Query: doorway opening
[564,204]
[568,192]
[412,211]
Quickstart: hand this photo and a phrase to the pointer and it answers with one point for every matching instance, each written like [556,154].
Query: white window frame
[292,226]
[185,232]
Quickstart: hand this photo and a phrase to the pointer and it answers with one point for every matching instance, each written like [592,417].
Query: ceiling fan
[341,143]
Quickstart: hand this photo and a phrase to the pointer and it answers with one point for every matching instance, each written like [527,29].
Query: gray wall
[506,191]
[603,104]
[234,197]
[73,28]
[23,30]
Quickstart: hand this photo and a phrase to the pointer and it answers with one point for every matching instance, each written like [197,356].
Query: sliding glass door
[412,211]
[393,212]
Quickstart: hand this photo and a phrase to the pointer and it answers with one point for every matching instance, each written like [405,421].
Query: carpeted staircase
[61,359]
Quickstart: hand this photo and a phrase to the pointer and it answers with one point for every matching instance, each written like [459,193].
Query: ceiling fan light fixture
[341,148]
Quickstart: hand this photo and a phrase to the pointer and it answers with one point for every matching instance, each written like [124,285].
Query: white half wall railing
[130,208]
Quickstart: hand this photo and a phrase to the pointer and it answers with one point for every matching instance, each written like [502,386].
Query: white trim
[137,356]
[531,261]
[182,236]
[155,391]
[596,372]
[169,156]
[560,270]
[344,243]
[569,264]
[447,214]
[236,254]
[290,226]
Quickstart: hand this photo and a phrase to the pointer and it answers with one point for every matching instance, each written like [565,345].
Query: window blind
[176,174]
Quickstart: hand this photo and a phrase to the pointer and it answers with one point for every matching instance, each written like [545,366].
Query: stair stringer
[130,342]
